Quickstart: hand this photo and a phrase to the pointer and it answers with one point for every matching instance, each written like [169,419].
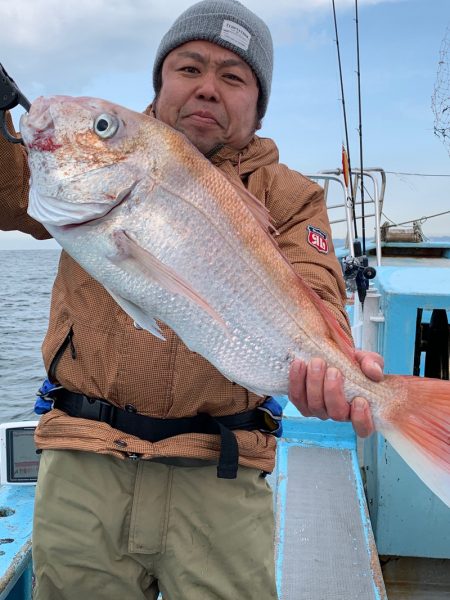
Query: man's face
[210,94]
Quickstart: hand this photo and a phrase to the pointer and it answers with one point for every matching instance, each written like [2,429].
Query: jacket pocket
[67,342]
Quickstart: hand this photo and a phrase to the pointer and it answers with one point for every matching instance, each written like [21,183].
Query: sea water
[26,279]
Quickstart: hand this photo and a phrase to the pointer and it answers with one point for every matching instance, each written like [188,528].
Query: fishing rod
[363,220]
[355,267]
[364,272]
[344,111]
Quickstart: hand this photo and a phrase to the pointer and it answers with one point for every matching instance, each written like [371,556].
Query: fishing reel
[357,272]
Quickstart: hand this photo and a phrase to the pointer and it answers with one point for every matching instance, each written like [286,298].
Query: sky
[105,49]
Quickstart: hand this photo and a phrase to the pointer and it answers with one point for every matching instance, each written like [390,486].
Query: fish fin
[159,272]
[255,206]
[123,194]
[419,429]
[142,320]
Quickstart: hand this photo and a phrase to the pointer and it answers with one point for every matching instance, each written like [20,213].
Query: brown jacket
[109,358]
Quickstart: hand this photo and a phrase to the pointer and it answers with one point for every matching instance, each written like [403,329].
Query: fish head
[83,155]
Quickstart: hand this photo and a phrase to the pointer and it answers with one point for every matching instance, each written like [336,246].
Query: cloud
[64,45]
[50,46]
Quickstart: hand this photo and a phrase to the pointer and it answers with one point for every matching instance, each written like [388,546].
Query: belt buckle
[96,410]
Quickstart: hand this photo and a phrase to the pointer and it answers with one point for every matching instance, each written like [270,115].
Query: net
[441,94]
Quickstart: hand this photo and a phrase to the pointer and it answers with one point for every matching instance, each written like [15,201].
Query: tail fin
[418,427]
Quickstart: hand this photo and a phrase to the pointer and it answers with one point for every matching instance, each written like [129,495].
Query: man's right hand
[318,391]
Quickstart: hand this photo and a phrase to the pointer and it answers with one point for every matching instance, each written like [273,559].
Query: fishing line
[420,220]
[383,214]
[418,174]
[344,111]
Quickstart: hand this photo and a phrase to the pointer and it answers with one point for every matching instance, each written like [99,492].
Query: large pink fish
[172,239]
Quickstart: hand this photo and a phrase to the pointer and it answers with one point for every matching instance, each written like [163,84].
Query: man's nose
[208,88]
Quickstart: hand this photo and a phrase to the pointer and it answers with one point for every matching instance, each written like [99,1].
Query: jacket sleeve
[298,209]
[14,177]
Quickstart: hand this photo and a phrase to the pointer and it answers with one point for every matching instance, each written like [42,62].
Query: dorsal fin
[257,208]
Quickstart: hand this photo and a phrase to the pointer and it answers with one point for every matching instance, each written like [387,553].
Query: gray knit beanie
[229,24]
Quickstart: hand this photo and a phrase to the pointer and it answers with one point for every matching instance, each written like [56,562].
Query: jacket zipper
[68,341]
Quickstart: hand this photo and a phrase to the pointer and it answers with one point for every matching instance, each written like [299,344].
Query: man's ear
[155,104]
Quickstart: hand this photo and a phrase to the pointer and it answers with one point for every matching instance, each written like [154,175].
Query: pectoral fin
[163,275]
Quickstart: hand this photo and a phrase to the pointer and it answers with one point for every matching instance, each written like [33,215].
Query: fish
[174,240]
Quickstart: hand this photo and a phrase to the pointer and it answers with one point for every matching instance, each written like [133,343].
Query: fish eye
[105,125]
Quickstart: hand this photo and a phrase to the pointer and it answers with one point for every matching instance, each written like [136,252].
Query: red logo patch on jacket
[318,239]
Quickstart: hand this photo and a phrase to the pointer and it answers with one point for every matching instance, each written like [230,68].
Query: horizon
[30,244]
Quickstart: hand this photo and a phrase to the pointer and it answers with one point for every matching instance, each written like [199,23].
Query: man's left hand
[318,391]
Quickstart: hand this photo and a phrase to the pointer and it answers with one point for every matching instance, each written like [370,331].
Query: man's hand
[318,391]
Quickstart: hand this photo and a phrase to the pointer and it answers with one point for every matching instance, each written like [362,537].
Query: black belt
[154,430]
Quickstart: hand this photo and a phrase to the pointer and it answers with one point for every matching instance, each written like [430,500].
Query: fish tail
[417,424]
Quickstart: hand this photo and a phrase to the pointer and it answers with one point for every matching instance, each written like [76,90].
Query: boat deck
[16,520]
[324,546]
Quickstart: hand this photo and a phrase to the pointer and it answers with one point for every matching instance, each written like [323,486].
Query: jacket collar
[260,152]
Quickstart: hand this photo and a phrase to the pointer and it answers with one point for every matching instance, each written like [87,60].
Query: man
[124,516]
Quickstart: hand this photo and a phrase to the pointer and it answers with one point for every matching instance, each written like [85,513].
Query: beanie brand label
[236,34]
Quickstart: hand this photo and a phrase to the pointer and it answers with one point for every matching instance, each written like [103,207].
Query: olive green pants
[115,529]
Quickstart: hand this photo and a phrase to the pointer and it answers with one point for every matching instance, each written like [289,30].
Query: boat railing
[373,202]
[327,178]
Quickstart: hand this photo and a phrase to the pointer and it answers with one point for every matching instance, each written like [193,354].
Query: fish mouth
[37,127]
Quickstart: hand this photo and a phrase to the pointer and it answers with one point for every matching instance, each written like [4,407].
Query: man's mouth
[204,117]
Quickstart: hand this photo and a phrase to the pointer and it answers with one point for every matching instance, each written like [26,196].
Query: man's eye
[189,69]
[232,77]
